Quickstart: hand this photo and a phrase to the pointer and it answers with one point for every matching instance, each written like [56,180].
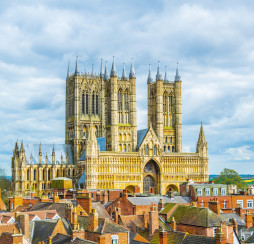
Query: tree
[229,177]
[5,187]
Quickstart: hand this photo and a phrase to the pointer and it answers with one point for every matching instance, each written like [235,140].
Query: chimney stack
[214,205]
[163,237]
[23,220]
[153,220]
[104,197]
[220,237]
[85,201]
[160,205]
[56,198]
[248,219]
[93,220]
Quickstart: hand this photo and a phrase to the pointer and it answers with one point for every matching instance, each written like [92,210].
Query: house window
[214,231]
[249,204]
[199,192]
[240,202]
[114,239]
[215,191]
[223,191]
[202,205]
[225,204]
[207,191]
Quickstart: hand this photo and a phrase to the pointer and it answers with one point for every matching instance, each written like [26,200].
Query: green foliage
[5,185]
[230,177]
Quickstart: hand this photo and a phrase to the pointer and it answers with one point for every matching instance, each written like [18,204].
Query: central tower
[164,110]
[120,103]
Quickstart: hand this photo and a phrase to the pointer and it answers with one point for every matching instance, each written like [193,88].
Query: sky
[213,41]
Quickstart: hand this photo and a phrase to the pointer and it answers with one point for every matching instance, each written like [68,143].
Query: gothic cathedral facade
[103,148]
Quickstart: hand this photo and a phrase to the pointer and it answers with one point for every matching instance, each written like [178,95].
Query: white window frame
[215,191]
[114,239]
[199,191]
[224,204]
[202,204]
[240,202]
[207,191]
[250,202]
[223,191]
[214,231]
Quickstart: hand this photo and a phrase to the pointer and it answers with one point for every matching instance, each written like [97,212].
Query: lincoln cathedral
[103,148]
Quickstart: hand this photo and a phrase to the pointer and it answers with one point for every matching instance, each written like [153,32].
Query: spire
[149,78]
[113,69]
[76,68]
[132,71]
[106,76]
[201,138]
[177,77]
[16,147]
[101,72]
[166,76]
[40,149]
[158,75]
[124,77]
[22,147]
[53,150]
[68,71]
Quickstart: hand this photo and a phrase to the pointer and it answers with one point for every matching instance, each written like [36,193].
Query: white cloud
[212,41]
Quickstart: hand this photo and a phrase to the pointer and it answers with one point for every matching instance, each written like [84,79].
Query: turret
[53,155]
[133,111]
[166,76]
[202,148]
[124,77]
[114,112]
[178,110]
[16,149]
[149,78]
[68,71]
[40,154]
[76,67]
[159,104]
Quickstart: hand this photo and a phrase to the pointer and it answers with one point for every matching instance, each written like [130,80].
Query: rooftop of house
[190,215]
[155,199]
[105,226]
[66,239]
[42,229]
[178,237]
[230,216]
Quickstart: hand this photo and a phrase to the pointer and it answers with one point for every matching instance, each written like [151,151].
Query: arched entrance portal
[151,177]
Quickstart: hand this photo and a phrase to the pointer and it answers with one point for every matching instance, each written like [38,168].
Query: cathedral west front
[103,148]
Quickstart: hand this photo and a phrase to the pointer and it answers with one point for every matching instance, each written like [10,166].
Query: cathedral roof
[46,149]
[101,144]
[140,136]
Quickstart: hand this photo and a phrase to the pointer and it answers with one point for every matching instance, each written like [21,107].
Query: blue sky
[213,41]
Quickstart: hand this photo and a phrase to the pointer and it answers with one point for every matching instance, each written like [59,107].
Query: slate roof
[102,213]
[66,239]
[41,230]
[104,225]
[194,239]
[190,215]
[156,199]
[60,149]
[140,136]
[230,216]
[59,207]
